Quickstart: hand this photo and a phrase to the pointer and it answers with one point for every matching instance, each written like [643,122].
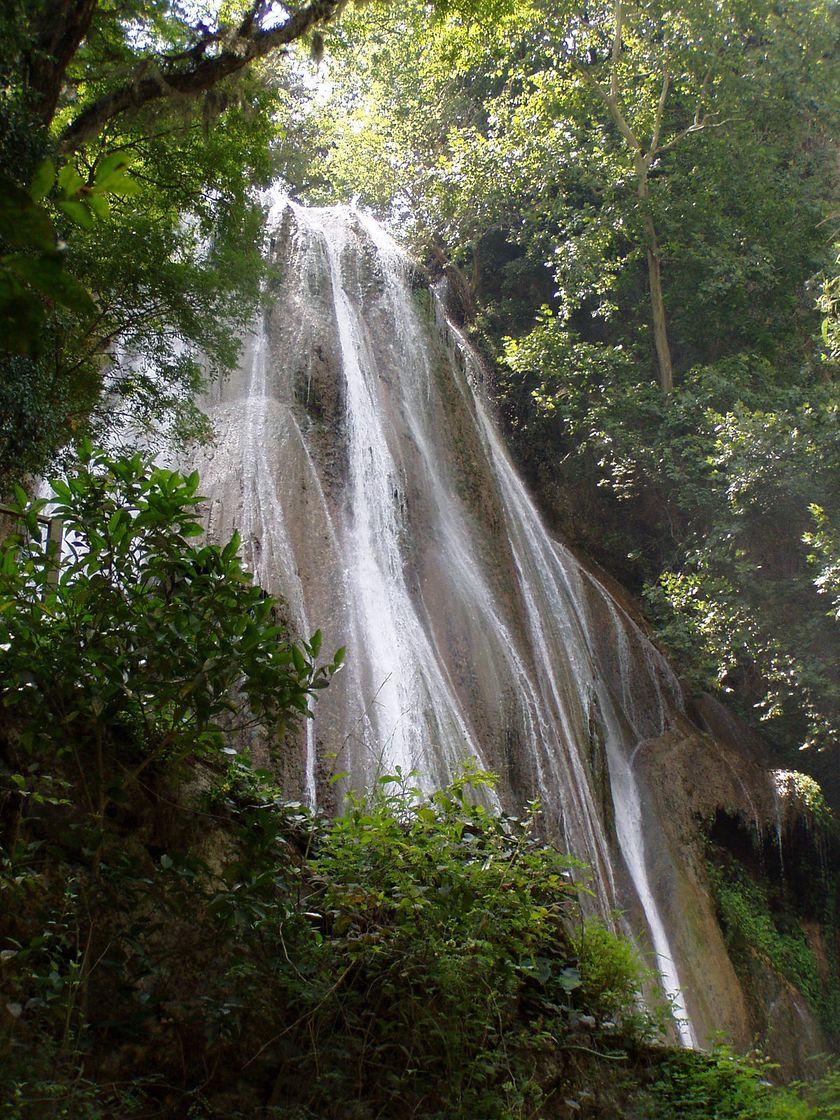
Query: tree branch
[61,31]
[660,113]
[700,126]
[153,82]
[612,105]
[616,49]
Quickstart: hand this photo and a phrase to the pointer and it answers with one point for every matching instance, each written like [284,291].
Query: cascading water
[357,458]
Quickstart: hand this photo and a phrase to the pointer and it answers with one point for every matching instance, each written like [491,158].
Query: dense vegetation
[636,205]
[133,137]
[180,940]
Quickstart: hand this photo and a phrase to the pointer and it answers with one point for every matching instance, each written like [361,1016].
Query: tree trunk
[664,364]
[60,31]
[657,300]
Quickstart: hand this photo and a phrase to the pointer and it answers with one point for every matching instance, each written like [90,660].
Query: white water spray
[377,497]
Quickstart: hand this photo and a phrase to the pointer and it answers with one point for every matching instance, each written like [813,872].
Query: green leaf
[120,184]
[110,165]
[60,489]
[99,205]
[70,181]
[78,213]
[42,180]
[22,223]
[72,295]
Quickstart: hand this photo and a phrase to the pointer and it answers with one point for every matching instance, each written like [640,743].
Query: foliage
[748,585]
[413,953]
[472,133]
[30,277]
[749,926]
[697,1086]
[609,971]
[138,652]
[823,1095]
[121,308]
[145,657]
[464,978]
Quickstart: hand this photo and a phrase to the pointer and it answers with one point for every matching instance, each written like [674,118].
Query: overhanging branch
[158,79]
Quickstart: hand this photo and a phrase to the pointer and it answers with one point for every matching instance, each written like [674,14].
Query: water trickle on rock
[373,492]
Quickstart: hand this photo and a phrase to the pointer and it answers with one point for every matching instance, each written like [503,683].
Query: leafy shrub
[413,954]
[145,658]
[452,925]
[609,969]
[721,1086]
[146,643]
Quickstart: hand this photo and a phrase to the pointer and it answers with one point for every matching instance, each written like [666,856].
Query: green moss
[423,301]
[805,795]
[749,924]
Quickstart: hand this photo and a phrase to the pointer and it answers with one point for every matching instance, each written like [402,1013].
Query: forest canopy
[133,138]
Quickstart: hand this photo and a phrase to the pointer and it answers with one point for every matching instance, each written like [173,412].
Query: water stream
[361,464]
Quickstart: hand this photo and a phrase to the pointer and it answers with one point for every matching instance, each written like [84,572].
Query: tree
[189,100]
[645,153]
[594,140]
[196,54]
[141,650]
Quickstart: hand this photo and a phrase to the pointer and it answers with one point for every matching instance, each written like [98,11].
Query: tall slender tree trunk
[664,364]
[642,162]
[657,301]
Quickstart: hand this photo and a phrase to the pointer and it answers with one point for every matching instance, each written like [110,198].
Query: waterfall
[358,458]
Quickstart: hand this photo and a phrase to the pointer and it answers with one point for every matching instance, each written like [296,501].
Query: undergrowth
[179,940]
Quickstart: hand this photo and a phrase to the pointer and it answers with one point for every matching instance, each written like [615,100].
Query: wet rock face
[717,802]
[358,460]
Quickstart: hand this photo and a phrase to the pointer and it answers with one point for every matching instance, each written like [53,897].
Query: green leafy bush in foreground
[721,1086]
[179,940]
[145,638]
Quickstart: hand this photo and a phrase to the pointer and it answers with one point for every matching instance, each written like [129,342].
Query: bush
[140,662]
[147,643]
[610,971]
[721,1086]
